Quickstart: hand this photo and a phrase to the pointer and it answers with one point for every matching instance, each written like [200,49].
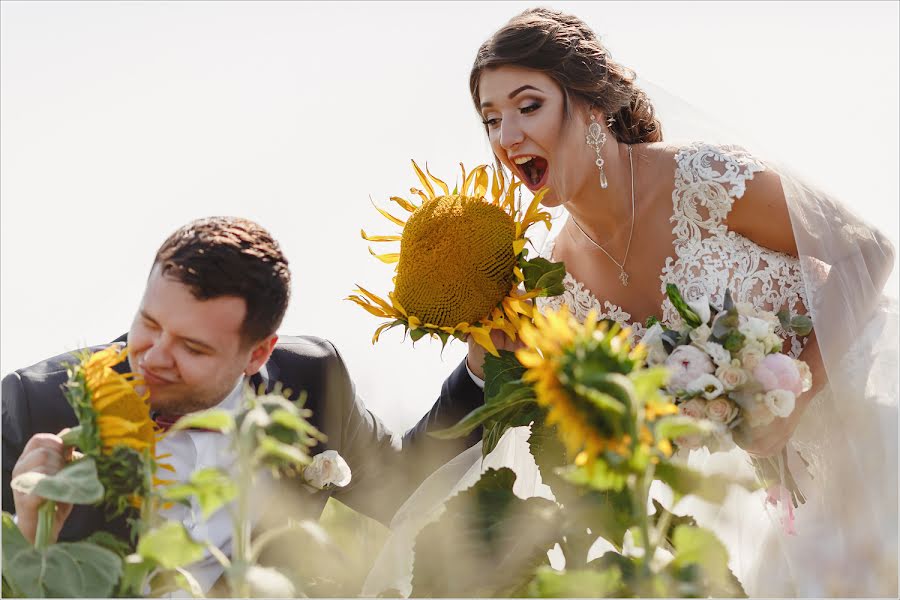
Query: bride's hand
[761,442]
[477,354]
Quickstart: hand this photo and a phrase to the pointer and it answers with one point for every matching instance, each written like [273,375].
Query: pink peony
[687,363]
[779,372]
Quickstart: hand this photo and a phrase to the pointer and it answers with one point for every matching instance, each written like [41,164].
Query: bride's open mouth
[533,171]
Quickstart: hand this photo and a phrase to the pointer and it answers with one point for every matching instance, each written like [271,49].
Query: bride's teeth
[522,160]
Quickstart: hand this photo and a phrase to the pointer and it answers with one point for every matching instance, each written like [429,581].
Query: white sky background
[123,121]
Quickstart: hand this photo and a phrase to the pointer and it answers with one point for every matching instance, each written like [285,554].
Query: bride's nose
[511,134]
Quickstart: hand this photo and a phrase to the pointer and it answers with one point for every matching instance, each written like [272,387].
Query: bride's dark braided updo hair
[565,48]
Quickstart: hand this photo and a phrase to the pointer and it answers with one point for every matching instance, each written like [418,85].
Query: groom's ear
[260,353]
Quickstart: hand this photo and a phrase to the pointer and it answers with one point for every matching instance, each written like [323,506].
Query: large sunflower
[461,261]
[115,427]
[585,376]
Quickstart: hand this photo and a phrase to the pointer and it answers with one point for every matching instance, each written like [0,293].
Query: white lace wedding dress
[708,259]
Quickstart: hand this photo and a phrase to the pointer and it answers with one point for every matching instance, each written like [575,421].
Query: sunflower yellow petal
[425,183]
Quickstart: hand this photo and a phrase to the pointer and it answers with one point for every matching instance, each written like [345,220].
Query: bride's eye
[530,108]
[492,122]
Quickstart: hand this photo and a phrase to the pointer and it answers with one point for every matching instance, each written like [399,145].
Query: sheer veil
[844,452]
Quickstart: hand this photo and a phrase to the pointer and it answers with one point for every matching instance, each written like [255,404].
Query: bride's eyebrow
[515,93]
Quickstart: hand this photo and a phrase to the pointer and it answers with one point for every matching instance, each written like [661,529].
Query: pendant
[623,277]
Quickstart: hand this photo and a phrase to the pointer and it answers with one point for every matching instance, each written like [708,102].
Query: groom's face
[190,352]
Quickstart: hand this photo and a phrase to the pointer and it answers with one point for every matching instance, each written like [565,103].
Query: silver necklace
[623,276]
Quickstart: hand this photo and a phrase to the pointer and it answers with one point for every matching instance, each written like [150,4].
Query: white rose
[721,410]
[732,375]
[687,363]
[756,413]
[327,469]
[780,402]
[751,354]
[652,340]
[718,353]
[805,375]
[699,335]
[754,328]
[708,385]
[701,307]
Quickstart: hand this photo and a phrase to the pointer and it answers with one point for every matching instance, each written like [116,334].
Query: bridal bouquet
[726,366]
[462,268]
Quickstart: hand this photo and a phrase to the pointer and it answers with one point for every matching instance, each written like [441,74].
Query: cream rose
[805,375]
[732,375]
[721,410]
[751,355]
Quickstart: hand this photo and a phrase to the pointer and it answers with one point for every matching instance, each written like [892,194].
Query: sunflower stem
[241,524]
[44,531]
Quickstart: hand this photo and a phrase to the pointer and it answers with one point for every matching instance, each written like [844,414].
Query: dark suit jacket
[384,471]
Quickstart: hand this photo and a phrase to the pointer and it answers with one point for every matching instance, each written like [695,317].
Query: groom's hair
[231,256]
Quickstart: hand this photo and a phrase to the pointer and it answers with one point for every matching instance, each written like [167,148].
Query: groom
[215,296]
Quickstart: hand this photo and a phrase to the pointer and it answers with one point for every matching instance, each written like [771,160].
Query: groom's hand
[44,453]
[477,354]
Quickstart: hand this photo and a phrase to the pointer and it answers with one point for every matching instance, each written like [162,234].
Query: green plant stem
[660,534]
[241,546]
[44,531]
[644,496]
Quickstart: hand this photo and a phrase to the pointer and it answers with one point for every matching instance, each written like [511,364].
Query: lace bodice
[708,257]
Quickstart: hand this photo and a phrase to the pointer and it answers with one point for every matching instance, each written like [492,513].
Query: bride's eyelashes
[494,122]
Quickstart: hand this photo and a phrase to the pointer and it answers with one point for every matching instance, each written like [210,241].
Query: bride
[643,213]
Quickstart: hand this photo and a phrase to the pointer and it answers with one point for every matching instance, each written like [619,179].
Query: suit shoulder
[50,368]
[306,347]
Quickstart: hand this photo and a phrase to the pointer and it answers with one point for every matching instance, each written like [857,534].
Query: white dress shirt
[192,451]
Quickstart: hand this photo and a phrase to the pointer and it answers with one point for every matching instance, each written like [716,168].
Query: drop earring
[595,138]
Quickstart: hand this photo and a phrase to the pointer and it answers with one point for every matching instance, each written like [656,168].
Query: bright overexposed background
[122,121]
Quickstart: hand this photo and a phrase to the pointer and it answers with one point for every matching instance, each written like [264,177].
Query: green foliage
[484,525]
[580,583]
[690,318]
[508,402]
[76,483]
[684,481]
[700,549]
[215,419]
[211,487]
[170,546]
[542,274]
[71,570]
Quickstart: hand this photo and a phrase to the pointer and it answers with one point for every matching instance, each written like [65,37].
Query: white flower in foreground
[780,402]
[327,469]
[708,385]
